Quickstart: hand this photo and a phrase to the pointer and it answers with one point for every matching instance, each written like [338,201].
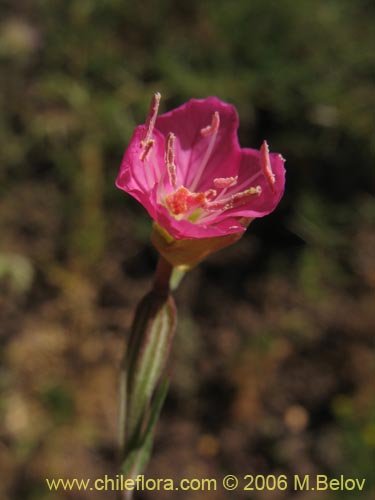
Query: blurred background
[273,364]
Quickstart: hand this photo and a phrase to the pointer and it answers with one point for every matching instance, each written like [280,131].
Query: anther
[169,159]
[210,194]
[147,143]
[213,127]
[225,182]
[183,201]
[235,200]
[151,117]
[265,163]
[146,149]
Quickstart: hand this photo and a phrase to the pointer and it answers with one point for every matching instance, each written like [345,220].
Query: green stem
[151,312]
[162,277]
[176,277]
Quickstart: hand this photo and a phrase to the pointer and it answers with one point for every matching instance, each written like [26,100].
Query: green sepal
[152,335]
[138,457]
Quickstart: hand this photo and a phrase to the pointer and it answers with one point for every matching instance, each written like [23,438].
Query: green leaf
[153,330]
[138,458]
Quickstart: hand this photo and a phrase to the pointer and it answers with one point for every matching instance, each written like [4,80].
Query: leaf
[153,331]
[138,458]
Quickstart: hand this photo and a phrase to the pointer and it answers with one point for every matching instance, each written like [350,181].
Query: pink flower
[188,170]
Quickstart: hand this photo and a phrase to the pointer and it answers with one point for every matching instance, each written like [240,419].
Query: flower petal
[250,169]
[186,123]
[180,229]
[139,172]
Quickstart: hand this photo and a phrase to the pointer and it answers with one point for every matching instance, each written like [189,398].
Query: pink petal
[137,174]
[186,122]
[258,206]
[181,229]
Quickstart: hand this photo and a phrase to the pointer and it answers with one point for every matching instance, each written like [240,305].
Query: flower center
[183,203]
[201,206]
[187,203]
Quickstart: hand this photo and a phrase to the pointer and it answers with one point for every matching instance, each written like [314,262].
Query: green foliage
[18,270]
[58,401]
[358,438]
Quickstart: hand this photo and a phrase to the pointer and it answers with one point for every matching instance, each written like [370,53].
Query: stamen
[145,153]
[235,200]
[225,182]
[151,117]
[177,201]
[169,158]
[243,184]
[147,143]
[210,194]
[266,165]
[213,128]
[182,201]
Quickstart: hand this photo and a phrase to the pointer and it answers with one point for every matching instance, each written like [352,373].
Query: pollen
[151,117]
[266,165]
[145,153]
[169,158]
[235,200]
[177,202]
[213,127]
[210,194]
[225,182]
[182,201]
[148,143]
